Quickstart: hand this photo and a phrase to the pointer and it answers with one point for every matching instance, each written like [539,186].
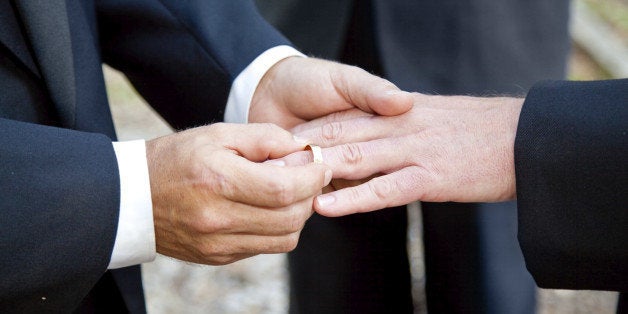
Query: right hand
[216,202]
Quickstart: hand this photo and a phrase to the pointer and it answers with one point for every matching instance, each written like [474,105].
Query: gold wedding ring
[317,152]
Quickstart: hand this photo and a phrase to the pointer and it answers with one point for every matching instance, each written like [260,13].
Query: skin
[297,90]
[446,148]
[216,200]
[215,203]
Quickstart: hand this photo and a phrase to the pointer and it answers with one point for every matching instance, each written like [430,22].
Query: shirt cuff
[135,238]
[243,88]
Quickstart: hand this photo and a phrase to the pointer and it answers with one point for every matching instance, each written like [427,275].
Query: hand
[296,90]
[444,149]
[215,202]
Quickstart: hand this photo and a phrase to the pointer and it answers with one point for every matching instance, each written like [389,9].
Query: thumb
[371,93]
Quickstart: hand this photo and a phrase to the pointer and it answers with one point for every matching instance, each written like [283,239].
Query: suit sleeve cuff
[135,238]
[243,87]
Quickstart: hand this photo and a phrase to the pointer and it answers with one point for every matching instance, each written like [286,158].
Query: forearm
[570,157]
[183,56]
[59,201]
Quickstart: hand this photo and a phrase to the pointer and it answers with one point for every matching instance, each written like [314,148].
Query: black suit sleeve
[571,161]
[59,188]
[182,56]
[58,215]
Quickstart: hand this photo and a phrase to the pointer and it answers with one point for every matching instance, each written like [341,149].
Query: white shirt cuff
[135,238]
[243,88]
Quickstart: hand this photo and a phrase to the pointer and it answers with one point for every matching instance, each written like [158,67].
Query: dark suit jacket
[444,46]
[59,185]
[571,160]
[571,144]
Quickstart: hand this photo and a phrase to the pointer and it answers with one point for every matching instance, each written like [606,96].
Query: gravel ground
[258,284]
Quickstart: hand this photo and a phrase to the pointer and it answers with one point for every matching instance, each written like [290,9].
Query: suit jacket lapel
[11,36]
[47,27]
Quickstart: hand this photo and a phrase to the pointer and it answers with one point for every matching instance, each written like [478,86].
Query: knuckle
[282,193]
[336,116]
[212,221]
[331,132]
[216,254]
[196,163]
[381,189]
[200,226]
[351,153]
[223,186]
[355,196]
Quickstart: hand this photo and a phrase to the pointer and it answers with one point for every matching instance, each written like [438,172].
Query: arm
[180,93]
[184,56]
[133,40]
[571,160]
[213,202]
[569,155]
[59,196]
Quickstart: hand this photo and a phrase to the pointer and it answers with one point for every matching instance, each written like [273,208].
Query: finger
[259,141]
[359,129]
[355,161]
[398,188]
[272,244]
[223,260]
[268,185]
[229,247]
[370,93]
[246,219]
[332,117]
[207,250]
[296,159]
[338,184]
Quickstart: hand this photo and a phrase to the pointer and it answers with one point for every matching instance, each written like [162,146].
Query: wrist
[246,83]
[514,106]
[263,107]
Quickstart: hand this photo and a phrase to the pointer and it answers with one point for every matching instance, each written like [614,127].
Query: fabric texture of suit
[571,155]
[358,264]
[59,185]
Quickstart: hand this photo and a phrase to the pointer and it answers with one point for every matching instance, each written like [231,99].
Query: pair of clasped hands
[225,192]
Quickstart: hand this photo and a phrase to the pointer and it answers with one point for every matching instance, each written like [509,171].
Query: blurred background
[259,284]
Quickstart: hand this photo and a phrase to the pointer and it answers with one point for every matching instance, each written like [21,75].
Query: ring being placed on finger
[316,152]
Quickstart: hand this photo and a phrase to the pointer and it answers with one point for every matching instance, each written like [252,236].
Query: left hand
[296,90]
[453,148]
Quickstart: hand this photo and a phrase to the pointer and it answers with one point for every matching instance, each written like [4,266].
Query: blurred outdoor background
[258,284]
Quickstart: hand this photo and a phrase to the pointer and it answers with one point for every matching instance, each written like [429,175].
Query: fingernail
[325,199]
[276,162]
[328,175]
[300,140]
